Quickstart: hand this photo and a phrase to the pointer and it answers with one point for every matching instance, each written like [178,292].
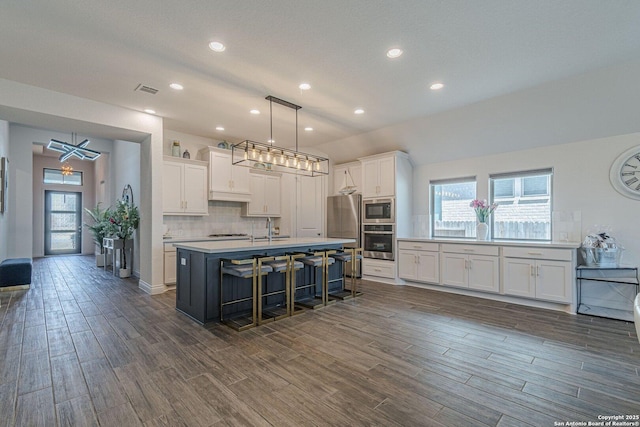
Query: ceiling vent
[145,88]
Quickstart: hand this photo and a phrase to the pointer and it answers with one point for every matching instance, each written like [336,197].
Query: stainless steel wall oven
[379,241]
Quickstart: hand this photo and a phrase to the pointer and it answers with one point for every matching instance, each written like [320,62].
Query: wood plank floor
[82,348]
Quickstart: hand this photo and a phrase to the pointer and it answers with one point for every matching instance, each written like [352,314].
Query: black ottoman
[15,271]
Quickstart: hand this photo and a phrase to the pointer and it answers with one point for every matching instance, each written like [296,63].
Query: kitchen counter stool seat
[241,269]
[353,256]
[319,261]
[279,264]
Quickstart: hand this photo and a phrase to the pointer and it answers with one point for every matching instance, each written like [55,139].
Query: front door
[62,222]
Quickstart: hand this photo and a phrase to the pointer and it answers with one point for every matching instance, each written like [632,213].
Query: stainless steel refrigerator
[344,220]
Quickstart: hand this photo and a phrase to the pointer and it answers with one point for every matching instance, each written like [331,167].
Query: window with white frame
[451,215]
[55,176]
[524,204]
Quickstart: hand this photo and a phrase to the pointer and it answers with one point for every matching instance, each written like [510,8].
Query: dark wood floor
[83,348]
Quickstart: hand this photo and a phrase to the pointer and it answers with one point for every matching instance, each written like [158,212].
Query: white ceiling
[478,49]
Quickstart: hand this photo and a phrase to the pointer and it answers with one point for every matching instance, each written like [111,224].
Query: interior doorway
[62,222]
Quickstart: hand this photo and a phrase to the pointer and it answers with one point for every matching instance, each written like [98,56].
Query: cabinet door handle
[470,264]
[417,259]
[537,270]
[531,269]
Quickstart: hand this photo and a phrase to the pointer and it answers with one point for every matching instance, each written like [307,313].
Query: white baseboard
[152,289]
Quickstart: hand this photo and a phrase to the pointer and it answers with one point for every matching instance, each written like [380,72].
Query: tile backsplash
[224,217]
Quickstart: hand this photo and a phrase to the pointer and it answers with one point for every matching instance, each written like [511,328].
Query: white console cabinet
[545,274]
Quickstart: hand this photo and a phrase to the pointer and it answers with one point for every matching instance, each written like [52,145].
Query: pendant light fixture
[76,150]
[260,155]
[66,169]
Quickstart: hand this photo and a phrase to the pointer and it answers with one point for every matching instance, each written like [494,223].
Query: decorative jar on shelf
[175,149]
[482,231]
[186,154]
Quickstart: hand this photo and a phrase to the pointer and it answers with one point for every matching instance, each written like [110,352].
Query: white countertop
[230,246]
[181,239]
[528,243]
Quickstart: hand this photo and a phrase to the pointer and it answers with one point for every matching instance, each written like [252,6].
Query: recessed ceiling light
[358,111]
[176,86]
[436,86]
[308,129]
[149,111]
[394,53]
[304,86]
[255,111]
[217,47]
[219,128]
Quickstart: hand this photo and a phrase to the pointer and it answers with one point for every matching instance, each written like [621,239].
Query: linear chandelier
[266,156]
[68,150]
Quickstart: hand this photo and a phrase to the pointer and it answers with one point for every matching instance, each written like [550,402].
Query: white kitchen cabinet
[351,173]
[309,206]
[226,181]
[169,264]
[265,195]
[419,262]
[379,268]
[470,266]
[184,187]
[379,177]
[545,274]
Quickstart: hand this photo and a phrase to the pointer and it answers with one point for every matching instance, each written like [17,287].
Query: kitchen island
[198,271]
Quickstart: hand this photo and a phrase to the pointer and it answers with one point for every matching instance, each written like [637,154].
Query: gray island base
[198,275]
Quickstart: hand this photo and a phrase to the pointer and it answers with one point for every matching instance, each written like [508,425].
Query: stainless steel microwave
[375,211]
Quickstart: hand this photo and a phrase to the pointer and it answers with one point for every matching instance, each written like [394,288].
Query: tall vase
[482,231]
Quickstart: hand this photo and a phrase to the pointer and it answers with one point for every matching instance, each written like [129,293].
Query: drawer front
[471,249]
[418,246]
[538,253]
[379,269]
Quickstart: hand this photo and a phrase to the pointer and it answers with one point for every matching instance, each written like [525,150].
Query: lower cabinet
[379,268]
[419,262]
[534,272]
[470,266]
[169,264]
[525,274]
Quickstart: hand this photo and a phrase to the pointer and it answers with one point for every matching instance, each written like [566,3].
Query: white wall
[593,105]
[88,199]
[4,217]
[580,183]
[125,169]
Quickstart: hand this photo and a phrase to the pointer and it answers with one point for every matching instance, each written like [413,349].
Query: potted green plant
[99,228]
[123,222]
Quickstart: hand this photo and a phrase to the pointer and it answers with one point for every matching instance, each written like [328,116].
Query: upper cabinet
[390,175]
[347,174]
[226,181]
[379,177]
[265,195]
[184,187]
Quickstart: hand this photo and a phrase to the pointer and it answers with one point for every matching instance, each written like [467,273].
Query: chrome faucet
[269,230]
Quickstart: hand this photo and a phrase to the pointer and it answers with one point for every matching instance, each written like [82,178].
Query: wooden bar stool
[345,256]
[241,269]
